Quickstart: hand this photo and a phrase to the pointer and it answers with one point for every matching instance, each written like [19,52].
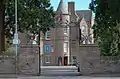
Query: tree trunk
[2,36]
[39,54]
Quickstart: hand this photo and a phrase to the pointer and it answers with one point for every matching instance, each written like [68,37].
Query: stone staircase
[59,71]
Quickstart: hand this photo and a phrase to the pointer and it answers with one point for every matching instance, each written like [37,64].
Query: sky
[79,4]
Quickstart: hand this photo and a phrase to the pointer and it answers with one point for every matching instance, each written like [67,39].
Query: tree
[107,20]
[33,16]
[2,8]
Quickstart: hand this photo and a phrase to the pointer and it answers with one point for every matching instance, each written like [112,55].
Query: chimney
[71,7]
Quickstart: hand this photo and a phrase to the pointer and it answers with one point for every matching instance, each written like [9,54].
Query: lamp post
[16,40]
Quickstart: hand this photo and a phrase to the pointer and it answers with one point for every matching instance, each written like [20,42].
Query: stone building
[73,27]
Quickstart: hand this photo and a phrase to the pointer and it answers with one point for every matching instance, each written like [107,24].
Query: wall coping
[88,45]
[7,56]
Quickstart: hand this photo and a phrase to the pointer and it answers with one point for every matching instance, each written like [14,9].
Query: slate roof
[86,13]
[62,8]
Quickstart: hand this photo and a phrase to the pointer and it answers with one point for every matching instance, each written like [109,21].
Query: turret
[62,19]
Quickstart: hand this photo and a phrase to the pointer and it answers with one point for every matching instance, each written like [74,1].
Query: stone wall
[7,64]
[88,57]
[92,63]
[110,64]
[28,61]
[28,55]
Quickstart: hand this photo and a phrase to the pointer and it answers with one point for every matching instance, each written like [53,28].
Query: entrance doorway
[65,61]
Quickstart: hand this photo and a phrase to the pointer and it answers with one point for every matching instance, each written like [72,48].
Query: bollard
[78,66]
[78,69]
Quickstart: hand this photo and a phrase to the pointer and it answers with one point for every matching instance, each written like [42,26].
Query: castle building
[73,27]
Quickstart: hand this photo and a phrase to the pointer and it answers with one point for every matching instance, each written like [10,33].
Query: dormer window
[82,29]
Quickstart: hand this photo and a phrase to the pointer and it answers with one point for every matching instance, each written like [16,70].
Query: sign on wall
[47,48]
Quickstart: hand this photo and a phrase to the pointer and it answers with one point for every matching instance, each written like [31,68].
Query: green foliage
[106,28]
[33,16]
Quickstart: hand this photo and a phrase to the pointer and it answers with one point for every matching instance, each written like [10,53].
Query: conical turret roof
[62,8]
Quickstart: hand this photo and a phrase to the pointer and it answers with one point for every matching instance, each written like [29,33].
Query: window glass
[47,35]
[47,59]
[65,46]
[65,30]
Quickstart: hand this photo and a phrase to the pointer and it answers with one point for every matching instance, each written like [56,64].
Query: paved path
[63,77]
[60,72]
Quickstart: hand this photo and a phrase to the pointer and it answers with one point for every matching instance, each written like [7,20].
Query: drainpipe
[39,58]
[70,46]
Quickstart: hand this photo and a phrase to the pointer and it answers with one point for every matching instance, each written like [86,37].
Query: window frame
[47,35]
[65,46]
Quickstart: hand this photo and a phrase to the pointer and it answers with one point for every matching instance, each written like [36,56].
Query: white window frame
[65,30]
[65,38]
[52,49]
[47,59]
[65,46]
[47,35]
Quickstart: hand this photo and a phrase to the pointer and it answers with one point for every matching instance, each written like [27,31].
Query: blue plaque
[47,48]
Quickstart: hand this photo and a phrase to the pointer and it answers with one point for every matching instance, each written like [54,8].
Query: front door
[65,61]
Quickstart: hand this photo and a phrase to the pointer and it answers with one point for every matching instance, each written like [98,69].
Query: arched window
[84,30]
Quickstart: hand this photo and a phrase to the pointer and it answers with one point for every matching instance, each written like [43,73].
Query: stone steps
[59,71]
